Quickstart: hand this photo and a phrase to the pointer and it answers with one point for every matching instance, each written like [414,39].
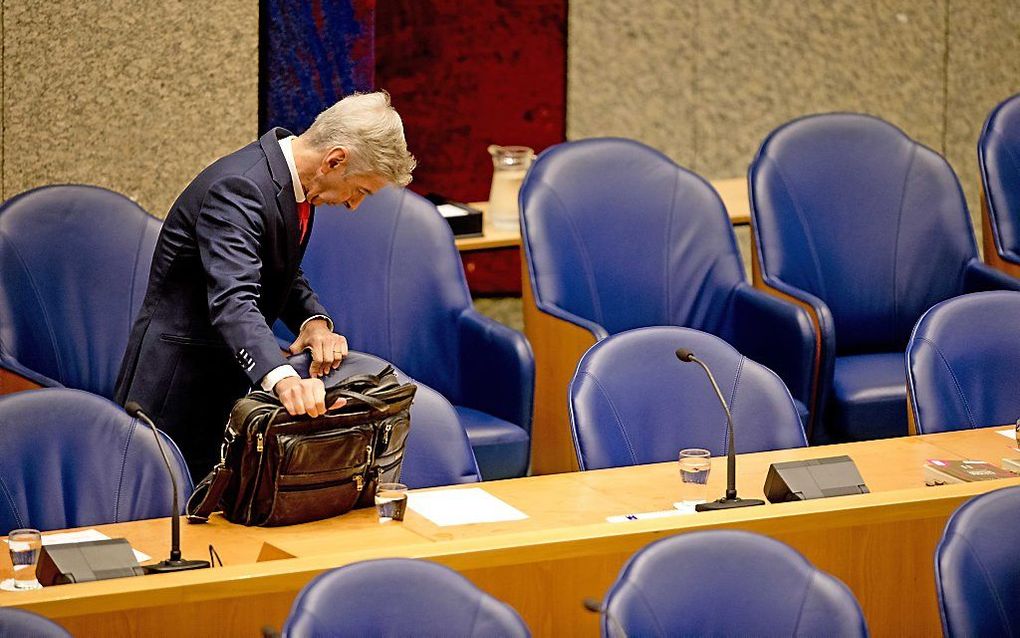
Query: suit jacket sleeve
[302,303]
[229,230]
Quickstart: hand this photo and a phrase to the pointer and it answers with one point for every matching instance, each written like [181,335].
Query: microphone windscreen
[684,354]
[132,408]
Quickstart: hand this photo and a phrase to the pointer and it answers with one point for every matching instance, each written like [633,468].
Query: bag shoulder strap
[206,498]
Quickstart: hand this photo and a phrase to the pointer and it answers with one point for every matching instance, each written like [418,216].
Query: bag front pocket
[320,475]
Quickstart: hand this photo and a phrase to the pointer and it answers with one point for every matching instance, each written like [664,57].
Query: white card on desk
[1009,433]
[449,210]
[62,538]
[462,507]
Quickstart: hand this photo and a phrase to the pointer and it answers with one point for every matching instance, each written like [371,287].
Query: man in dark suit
[227,266]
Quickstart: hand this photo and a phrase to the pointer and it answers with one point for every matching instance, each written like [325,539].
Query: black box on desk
[464,221]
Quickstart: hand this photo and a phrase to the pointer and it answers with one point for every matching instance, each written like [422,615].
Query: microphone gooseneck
[175,562]
[731,499]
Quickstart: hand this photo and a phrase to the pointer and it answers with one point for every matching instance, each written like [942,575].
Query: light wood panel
[11,383]
[881,544]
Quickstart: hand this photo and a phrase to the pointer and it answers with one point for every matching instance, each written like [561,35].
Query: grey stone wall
[133,95]
[705,80]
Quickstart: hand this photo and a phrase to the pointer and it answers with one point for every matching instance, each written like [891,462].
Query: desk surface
[881,544]
[732,191]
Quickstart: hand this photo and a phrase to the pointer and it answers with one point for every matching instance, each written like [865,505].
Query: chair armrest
[497,369]
[979,277]
[779,334]
[597,331]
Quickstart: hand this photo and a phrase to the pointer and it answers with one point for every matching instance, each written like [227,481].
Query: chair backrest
[15,623]
[69,458]
[963,363]
[999,157]
[727,583]
[438,450]
[392,280]
[398,597]
[851,210]
[632,401]
[977,568]
[74,264]
[616,233]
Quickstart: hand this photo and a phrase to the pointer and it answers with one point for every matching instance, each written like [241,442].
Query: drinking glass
[695,465]
[24,546]
[391,501]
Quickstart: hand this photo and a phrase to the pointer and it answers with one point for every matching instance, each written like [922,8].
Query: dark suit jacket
[226,267]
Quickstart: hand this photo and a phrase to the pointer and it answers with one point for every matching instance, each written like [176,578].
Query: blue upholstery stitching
[10,501]
[803,602]
[896,243]
[804,226]
[651,611]
[616,415]
[585,259]
[733,393]
[956,382]
[123,465]
[989,581]
[667,241]
[386,279]
[42,308]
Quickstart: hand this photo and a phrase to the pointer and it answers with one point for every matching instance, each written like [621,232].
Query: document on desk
[462,507]
[1009,433]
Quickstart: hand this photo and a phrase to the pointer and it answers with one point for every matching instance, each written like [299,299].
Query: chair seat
[869,396]
[501,448]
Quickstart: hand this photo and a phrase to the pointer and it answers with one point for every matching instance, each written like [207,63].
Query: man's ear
[335,158]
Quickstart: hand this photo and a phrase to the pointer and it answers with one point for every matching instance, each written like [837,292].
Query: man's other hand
[304,396]
[328,348]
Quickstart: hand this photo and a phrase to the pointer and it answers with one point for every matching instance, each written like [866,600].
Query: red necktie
[304,211]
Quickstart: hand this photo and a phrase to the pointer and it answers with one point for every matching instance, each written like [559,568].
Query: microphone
[175,563]
[731,500]
[596,607]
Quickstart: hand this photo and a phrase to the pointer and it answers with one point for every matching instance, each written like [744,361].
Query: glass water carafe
[509,165]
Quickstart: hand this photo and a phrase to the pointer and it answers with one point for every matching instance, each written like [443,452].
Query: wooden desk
[733,192]
[880,544]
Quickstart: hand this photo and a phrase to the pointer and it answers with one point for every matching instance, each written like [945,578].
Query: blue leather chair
[69,459]
[392,280]
[74,263]
[963,361]
[438,451]
[867,229]
[17,623]
[632,401]
[727,583]
[977,568]
[999,158]
[398,597]
[617,236]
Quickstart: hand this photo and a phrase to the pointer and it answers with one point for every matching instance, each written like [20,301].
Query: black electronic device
[814,478]
[730,500]
[464,220]
[175,563]
[87,561]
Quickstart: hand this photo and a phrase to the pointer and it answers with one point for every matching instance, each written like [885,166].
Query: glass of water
[695,465]
[391,501]
[24,545]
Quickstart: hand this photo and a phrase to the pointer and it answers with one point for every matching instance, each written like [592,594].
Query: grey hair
[372,133]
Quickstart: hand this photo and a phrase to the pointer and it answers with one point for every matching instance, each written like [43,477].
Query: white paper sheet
[62,538]
[463,507]
[449,210]
[1009,433]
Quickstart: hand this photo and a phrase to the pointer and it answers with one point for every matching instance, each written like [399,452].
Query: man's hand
[304,396]
[328,348]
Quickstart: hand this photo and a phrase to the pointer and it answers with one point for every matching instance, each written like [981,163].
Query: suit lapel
[285,189]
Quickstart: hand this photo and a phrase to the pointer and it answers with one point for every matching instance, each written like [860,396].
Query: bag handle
[205,499]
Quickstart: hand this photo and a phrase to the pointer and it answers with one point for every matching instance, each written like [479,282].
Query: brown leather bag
[278,469]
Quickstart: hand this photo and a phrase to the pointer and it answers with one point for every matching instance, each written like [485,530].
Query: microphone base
[171,566]
[727,504]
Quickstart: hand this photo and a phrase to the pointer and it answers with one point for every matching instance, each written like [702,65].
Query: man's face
[331,185]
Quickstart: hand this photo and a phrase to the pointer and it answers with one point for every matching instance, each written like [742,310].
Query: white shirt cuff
[276,375]
[329,322]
